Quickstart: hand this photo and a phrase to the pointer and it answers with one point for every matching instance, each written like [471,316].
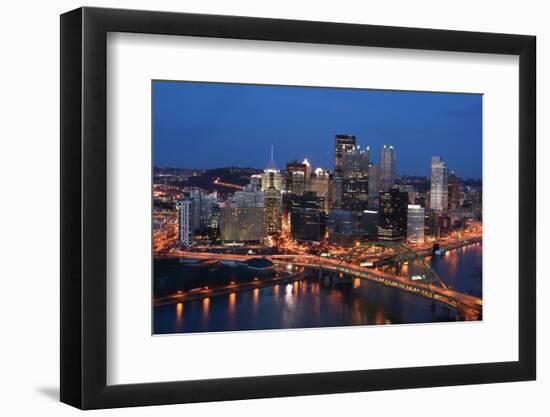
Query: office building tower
[431,229]
[342,144]
[344,227]
[308,169]
[274,205]
[255,182]
[392,215]
[272,187]
[185,228]
[271,177]
[319,183]
[246,224]
[415,223]
[307,219]
[369,224]
[335,192]
[386,177]
[355,179]
[410,190]
[454,191]
[439,188]
[373,185]
[296,175]
[243,199]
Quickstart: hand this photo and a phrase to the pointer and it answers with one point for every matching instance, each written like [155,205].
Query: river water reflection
[310,303]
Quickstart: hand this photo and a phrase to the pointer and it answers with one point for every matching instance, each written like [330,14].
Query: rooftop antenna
[271,152]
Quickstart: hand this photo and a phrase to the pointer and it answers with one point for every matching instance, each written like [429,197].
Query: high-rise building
[342,144]
[308,169]
[296,176]
[271,177]
[272,187]
[373,185]
[344,227]
[386,177]
[415,223]
[246,224]
[454,191]
[307,219]
[255,182]
[355,179]
[439,188]
[431,229]
[369,224]
[392,215]
[185,228]
[335,192]
[242,199]
[410,190]
[319,183]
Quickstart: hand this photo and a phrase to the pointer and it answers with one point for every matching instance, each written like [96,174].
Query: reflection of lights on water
[288,289]
[232,299]
[205,306]
[179,312]
[255,295]
[276,289]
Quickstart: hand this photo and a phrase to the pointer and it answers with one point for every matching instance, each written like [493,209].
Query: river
[311,303]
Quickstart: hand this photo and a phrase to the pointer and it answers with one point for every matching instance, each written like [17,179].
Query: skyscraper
[271,186]
[271,177]
[319,183]
[355,179]
[296,175]
[307,219]
[243,224]
[185,228]
[392,215]
[431,229]
[386,178]
[439,188]
[344,227]
[342,144]
[373,185]
[454,191]
[415,223]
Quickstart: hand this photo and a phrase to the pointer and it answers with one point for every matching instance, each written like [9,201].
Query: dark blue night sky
[207,125]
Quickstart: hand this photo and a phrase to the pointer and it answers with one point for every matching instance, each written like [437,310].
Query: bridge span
[468,305]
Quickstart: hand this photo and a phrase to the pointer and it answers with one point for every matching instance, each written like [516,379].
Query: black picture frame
[84,207]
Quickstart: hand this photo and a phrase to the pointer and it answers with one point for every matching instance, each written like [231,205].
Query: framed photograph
[258,208]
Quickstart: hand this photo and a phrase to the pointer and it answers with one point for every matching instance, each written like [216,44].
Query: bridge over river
[469,306]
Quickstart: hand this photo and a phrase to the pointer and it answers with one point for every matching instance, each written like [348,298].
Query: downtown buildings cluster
[357,200]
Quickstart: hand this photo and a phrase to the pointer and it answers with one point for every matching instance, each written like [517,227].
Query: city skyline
[446,122]
[266,227]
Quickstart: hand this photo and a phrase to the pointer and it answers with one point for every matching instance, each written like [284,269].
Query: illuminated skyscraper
[454,191]
[373,185]
[386,178]
[296,175]
[185,228]
[392,215]
[319,183]
[415,223]
[342,144]
[271,176]
[308,169]
[307,219]
[272,186]
[439,188]
[355,179]
[243,224]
